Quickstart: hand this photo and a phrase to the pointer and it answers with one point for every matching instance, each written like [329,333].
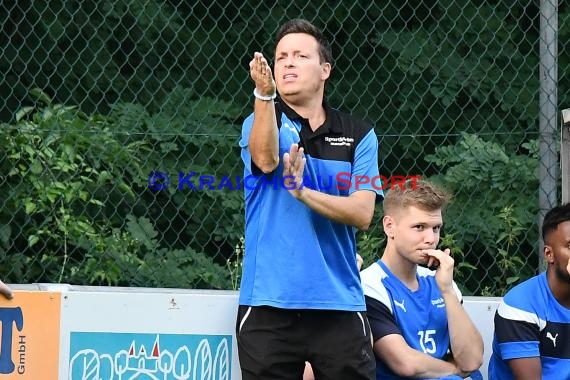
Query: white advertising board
[481,310]
[148,334]
[108,333]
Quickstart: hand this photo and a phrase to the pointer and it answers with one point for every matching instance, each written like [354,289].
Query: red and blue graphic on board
[117,356]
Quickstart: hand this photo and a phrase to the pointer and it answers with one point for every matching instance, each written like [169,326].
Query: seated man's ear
[548,254]
[388,224]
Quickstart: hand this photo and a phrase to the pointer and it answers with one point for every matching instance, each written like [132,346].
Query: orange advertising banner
[29,345]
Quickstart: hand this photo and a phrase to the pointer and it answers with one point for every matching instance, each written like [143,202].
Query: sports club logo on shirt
[438,302]
[339,141]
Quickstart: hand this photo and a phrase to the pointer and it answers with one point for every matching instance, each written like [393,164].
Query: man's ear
[548,254]
[388,223]
[326,71]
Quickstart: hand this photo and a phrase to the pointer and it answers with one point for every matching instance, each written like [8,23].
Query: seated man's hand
[444,271]
[475,375]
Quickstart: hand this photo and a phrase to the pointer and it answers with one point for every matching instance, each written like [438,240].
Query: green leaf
[23,112]
[511,280]
[31,152]
[52,195]
[30,206]
[142,230]
[32,240]
[40,95]
[5,232]
[36,167]
[47,114]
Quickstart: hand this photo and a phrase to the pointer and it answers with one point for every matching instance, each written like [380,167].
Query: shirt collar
[328,125]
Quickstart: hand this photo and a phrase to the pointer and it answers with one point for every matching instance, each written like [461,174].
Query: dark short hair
[299,25]
[554,217]
[418,193]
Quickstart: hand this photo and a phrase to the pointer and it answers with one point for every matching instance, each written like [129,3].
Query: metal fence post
[548,99]
[565,155]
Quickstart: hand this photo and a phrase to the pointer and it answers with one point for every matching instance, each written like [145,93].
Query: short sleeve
[365,174]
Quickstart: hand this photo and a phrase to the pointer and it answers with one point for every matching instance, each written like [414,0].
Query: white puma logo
[552,338]
[286,125]
[400,305]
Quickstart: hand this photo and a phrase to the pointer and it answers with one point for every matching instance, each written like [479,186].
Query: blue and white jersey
[531,323]
[419,316]
[294,257]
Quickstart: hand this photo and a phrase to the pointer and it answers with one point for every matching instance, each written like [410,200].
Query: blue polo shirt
[419,316]
[531,323]
[294,257]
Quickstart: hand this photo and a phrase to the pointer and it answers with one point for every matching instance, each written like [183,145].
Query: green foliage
[73,186]
[493,215]
[235,265]
[197,136]
[166,84]
[370,245]
[508,262]
[463,269]
[163,267]
[455,67]
[52,189]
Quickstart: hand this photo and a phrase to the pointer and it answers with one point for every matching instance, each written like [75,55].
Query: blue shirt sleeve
[516,338]
[382,321]
[244,141]
[365,175]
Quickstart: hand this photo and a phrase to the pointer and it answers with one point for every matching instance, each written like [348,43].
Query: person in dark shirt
[532,323]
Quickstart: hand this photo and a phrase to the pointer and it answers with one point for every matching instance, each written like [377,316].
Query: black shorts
[274,344]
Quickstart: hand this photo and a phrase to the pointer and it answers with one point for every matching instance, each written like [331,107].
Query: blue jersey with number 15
[419,316]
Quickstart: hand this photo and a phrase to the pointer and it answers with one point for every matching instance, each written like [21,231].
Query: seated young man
[532,323]
[419,327]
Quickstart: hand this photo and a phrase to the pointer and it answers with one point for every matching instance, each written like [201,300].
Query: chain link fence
[119,162]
